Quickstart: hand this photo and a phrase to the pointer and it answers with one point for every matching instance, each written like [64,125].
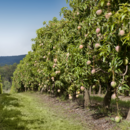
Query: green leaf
[122,18]
[112,27]
[102,3]
[109,48]
[104,58]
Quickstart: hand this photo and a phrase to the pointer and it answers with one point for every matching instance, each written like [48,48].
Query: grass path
[24,112]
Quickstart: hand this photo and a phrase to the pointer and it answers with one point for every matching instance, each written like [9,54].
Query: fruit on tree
[108,15]
[81,46]
[88,62]
[93,86]
[79,27]
[77,13]
[113,84]
[54,65]
[78,92]
[82,88]
[52,78]
[99,12]
[117,119]
[57,72]
[118,48]
[58,90]
[97,45]
[97,30]
[108,4]
[86,35]
[55,60]
[113,96]
[93,71]
[122,32]
[98,35]
[126,61]
[77,95]
[70,97]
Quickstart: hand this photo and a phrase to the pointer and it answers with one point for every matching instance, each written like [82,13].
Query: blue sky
[19,20]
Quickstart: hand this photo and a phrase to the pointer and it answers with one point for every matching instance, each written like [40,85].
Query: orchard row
[88,48]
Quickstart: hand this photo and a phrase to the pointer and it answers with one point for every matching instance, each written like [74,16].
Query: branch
[101,70]
[125,71]
[124,75]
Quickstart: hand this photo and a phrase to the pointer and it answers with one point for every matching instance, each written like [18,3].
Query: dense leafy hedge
[89,46]
[1,90]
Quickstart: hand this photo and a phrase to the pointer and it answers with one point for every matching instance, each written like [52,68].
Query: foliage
[6,73]
[93,31]
[7,85]
[1,89]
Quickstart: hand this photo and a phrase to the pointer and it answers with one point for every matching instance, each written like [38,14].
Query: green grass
[124,124]
[24,112]
[113,102]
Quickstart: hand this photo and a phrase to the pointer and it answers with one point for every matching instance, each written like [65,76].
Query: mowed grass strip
[23,112]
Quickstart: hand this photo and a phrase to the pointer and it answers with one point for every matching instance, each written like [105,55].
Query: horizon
[14,55]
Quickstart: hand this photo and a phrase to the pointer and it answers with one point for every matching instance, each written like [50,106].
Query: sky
[19,20]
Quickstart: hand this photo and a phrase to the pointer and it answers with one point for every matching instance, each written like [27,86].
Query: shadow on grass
[96,106]
[11,116]
[123,105]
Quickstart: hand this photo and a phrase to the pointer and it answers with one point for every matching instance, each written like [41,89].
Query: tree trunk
[42,89]
[107,98]
[94,92]
[90,89]
[86,98]
[102,92]
[74,96]
[126,93]
[128,115]
[100,88]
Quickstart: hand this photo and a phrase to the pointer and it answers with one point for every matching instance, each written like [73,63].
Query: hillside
[10,60]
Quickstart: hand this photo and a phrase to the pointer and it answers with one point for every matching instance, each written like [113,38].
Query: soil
[88,117]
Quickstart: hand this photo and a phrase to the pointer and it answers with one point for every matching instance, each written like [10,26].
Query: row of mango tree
[88,48]
[1,88]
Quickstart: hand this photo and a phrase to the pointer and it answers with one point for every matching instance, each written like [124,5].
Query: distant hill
[10,60]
